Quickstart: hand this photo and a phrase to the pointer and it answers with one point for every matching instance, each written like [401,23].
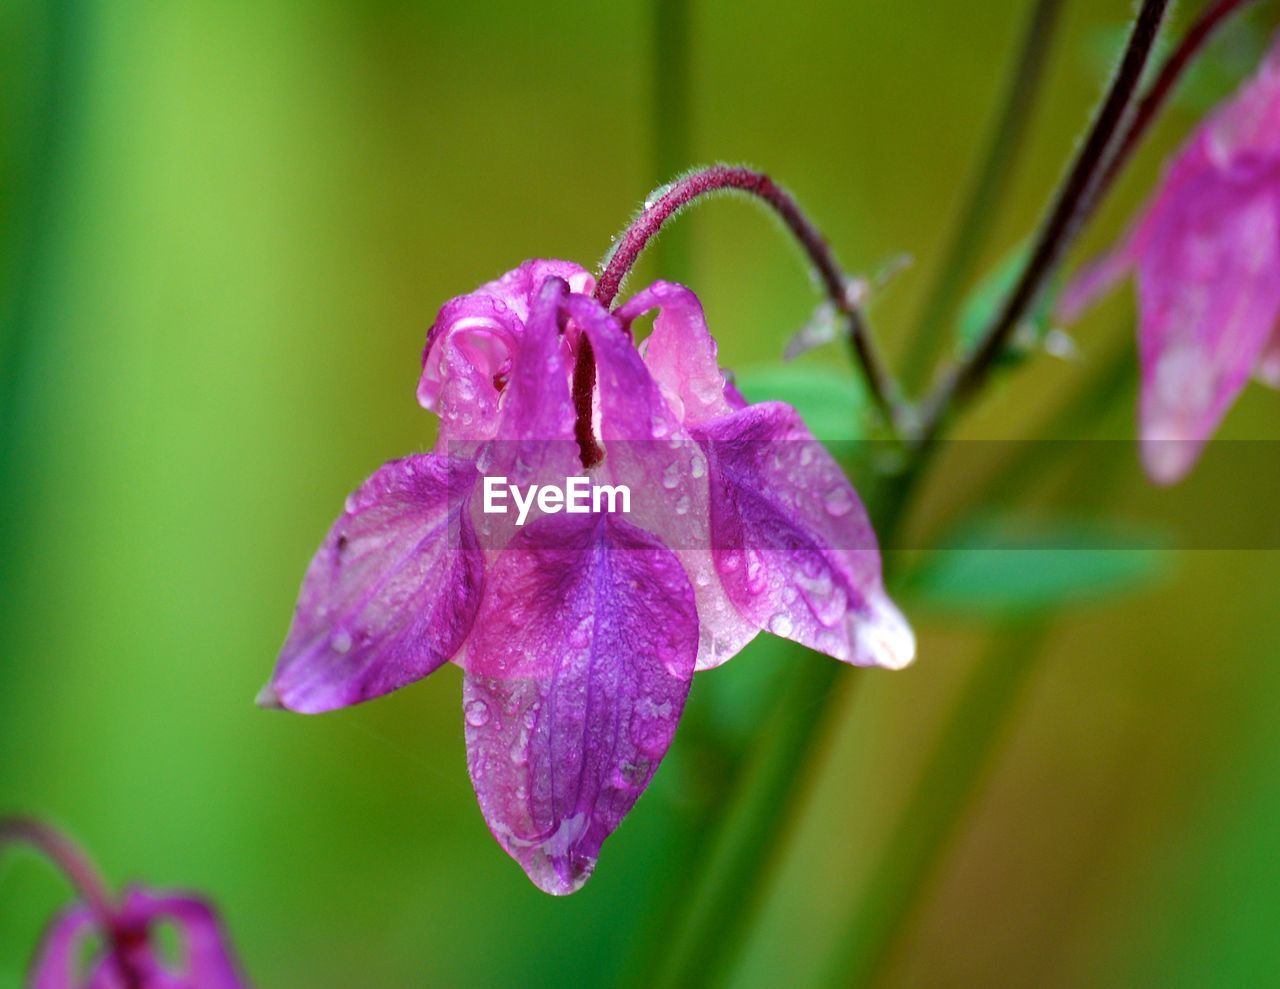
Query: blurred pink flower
[105,942]
[127,956]
[1207,259]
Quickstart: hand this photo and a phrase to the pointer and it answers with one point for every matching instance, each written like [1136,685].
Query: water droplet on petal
[838,501]
[341,642]
[477,713]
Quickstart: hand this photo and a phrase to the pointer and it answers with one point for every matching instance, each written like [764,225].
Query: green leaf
[1005,567]
[832,403]
[1215,74]
[982,306]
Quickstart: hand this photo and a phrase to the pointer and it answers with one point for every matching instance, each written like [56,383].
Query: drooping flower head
[102,942]
[579,623]
[128,956]
[1207,259]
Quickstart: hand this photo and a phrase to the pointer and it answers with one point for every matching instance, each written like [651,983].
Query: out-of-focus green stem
[960,383]
[672,123]
[952,778]
[946,788]
[1116,374]
[33,215]
[980,211]
[731,883]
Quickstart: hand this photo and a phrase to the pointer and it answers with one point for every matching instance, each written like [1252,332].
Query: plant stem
[980,212]
[721,178]
[731,884]
[718,908]
[672,131]
[946,788]
[951,780]
[958,385]
[1157,95]
[73,863]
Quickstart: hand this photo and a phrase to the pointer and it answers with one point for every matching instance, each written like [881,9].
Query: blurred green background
[226,228]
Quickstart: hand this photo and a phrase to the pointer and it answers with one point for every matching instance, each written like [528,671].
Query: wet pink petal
[578,672]
[649,450]
[1095,280]
[1268,370]
[470,350]
[680,353]
[1209,293]
[793,544]
[391,594]
[1249,124]
[1207,255]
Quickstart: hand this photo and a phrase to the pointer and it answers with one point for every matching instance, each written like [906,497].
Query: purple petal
[680,352]
[578,672]
[535,442]
[391,594]
[469,353]
[472,346]
[205,960]
[1268,369]
[1095,280]
[1249,124]
[793,544]
[648,449]
[57,963]
[1209,293]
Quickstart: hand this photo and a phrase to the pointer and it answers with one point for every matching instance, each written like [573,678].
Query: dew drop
[781,624]
[838,501]
[477,713]
[342,642]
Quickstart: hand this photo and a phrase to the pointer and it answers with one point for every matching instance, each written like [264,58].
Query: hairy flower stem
[836,283]
[959,385]
[980,211]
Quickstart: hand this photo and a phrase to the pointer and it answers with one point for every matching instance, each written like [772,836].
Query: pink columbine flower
[579,633]
[109,942]
[127,956]
[1207,257]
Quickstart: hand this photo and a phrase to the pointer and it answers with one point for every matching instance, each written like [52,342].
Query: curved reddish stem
[85,880]
[72,862]
[718,178]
